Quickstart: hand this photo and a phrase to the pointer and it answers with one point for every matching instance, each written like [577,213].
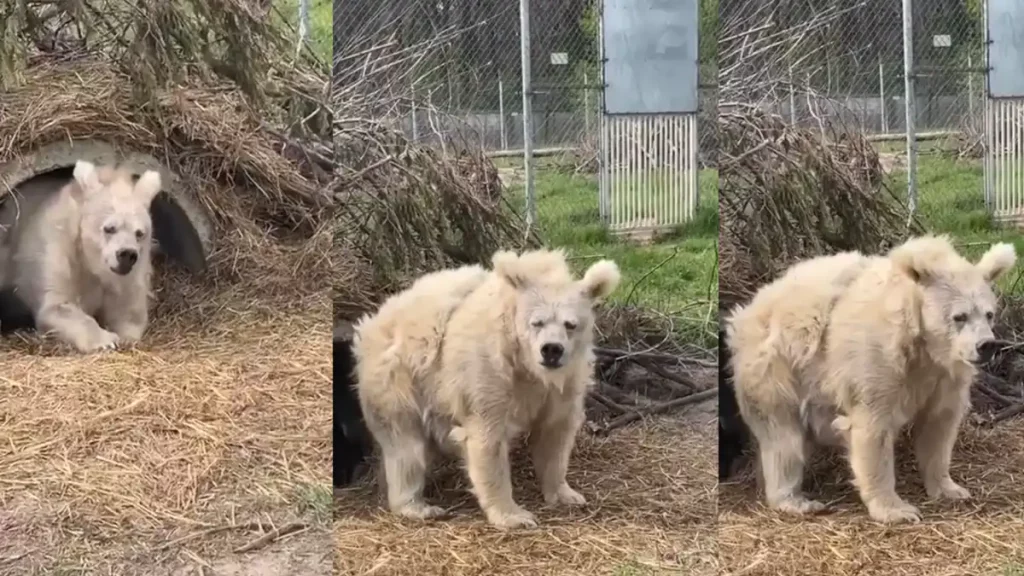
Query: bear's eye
[537,323]
[109,229]
[140,234]
[960,318]
[570,326]
[989,316]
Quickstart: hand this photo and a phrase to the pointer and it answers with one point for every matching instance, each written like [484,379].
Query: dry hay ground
[651,510]
[166,458]
[980,537]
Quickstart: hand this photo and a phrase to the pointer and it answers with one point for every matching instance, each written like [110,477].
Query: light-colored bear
[80,256]
[465,361]
[847,349]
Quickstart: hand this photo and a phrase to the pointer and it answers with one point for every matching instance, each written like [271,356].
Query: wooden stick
[270,537]
[1004,400]
[1006,414]
[638,414]
[681,383]
[608,402]
[208,532]
[655,356]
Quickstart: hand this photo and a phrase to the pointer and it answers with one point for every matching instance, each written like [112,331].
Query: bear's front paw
[947,489]
[893,511]
[565,495]
[129,333]
[513,518]
[102,340]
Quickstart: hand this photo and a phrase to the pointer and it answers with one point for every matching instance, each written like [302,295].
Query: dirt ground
[168,458]
[984,536]
[651,511]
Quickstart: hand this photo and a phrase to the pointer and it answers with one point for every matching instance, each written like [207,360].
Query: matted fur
[847,349]
[78,254]
[466,360]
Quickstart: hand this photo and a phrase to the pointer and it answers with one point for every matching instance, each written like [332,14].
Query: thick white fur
[454,363]
[847,349]
[65,257]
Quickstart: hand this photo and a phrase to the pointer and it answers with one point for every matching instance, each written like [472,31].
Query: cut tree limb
[638,414]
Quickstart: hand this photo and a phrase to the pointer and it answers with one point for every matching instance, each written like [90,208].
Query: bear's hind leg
[406,459]
[765,392]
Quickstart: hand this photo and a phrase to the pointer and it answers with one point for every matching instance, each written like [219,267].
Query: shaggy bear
[466,360]
[351,439]
[733,435]
[80,256]
[848,349]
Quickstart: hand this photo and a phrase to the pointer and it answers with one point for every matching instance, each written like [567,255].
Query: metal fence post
[415,126]
[524,45]
[501,114]
[911,108]
[303,26]
[881,95]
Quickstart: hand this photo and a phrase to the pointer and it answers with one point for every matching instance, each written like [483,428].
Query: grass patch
[952,201]
[321,24]
[315,500]
[676,275]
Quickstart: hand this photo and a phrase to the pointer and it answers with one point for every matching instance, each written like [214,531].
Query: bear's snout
[126,259]
[551,355]
[986,350]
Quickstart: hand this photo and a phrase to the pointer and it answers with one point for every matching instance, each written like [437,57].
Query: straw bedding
[982,536]
[215,429]
[220,417]
[651,510]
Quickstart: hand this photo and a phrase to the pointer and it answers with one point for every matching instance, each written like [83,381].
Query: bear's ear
[923,258]
[506,266]
[86,177]
[999,258]
[600,280]
[148,186]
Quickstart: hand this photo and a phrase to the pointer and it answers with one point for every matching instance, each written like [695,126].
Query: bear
[733,436]
[465,361]
[848,349]
[80,255]
[351,439]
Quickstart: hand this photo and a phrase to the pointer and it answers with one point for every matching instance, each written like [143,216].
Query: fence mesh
[450,74]
[459,66]
[843,63]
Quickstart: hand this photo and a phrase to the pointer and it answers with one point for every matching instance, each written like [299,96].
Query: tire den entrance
[181,230]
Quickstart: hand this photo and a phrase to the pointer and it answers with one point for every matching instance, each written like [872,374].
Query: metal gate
[1004,111]
[649,170]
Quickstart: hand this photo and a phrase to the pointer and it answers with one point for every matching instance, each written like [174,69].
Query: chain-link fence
[844,66]
[461,66]
[456,69]
[451,74]
[843,62]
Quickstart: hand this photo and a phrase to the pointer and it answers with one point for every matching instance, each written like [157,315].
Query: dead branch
[638,414]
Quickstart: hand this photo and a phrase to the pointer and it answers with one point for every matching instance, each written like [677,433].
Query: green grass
[321,24]
[634,569]
[951,200]
[316,500]
[676,275]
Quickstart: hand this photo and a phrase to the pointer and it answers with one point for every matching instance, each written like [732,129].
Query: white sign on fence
[559,58]
[942,41]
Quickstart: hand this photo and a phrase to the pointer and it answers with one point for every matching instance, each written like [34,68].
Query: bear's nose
[987,349]
[551,353]
[127,258]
